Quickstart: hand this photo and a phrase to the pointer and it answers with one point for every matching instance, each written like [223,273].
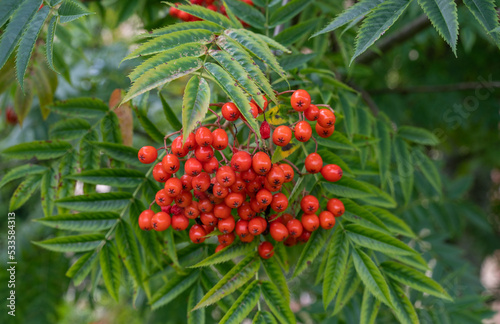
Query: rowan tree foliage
[86,91]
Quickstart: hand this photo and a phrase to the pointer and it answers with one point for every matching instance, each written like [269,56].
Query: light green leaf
[129,251]
[224,80]
[48,191]
[376,240]
[243,57]
[294,33]
[347,187]
[356,213]
[194,104]
[262,317]
[154,78]
[49,43]
[356,11]
[369,308]
[378,22]
[42,150]
[207,14]
[120,152]
[229,253]
[402,306]
[89,154]
[383,150]
[336,141]
[234,279]
[247,13]
[21,172]
[24,191]
[81,107]
[273,43]
[173,288]
[414,279]
[69,129]
[336,265]
[111,201]
[81,222]
[443,16]
[277,304]
[371,276]
[110,267]
[122,178]
[74,243]
[276,275]
[82,267]
[243,305]
[197,316]
[27,42]
[208,25]
[485,13]
[428,168]
[16,27]
[405,167]
[71,10]
[418,135]
[311,250]
[288,11]
[395,224]
[348,287]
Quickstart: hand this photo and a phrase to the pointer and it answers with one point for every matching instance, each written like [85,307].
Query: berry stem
[151,204]
[287,91]
[216,114]
[315,141]
[218,104]
[223,156]
[294,166]
[327,106]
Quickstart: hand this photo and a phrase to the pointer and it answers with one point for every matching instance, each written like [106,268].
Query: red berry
[162,199]
[279,203]
[288,171]
[190,143]
[278,231]
[312,113]
[326,118]
[265,130]
[332,172]
[226,225]
[174,12]
[193,167]
[241,161]
[234,200]
[220,139]
[211,166]
[197,234]
[301,100]
[241,228]
[266,250]
[173,187]
[180,222]
[310,222]
[282,135]
[254,109]
[230,112]
[147,154]
[313,163]
[261,163]
[303,131]
[304,237]
[159,173]
[324,132]
[276,176]
[145,219]
[166,209]
[192,211]
[336,207]
[201,182]
[326,219]
[203,137]
[309,204]
[220,191]
[239,185]
[286,218]
[11,116]
[257,225]
[264,197]
[222,211]
[184,199]
[219,247]
[290,241]
[295,228]
[178,149]
[209,219]
[248,175]
[187,182]
[170,163]
[213,8]
[205,206]
[204,153]
[245,211]
[226,239]
[160,221]
[247,239]
[225,176]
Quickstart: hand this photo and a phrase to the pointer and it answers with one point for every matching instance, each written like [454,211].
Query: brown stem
[287,91]
[315,141]
[293,166]
[216,114]
[219,104]
[151,204]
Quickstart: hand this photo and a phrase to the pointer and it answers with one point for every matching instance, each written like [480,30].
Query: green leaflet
[336,265]
[195,104]
[311,250]
[229,253]
[149,127]
[402,306]
[110,129]
[277,304]
[119,152]
[185,50]
[276,275]
[80,107]
[17,25]
[169,113]
[243,305]
[71,10]
[8,6]
[391,221]
[89,154]
[443,16]
[348,188]
[21,172]
[383,150]
[172,40]
[257,47]
[82,267]
[358,214]
[414,279]
[122,178]
[247,13]
[418,135]
[485,13]
[111,201]
[359,9]
[74,243]
[405,167]
[234,279]
[27,42]
[24,191]
[243,57]
[67,165]
[207,14]
[81,222]
[224,80]
[48,191]
[173,288]
[197,316]
[208,25]
[294,33]
[348,287]
[170,246]
[369,308]
[239,74]
[336,141]
[273,44]
[288,11]
[428,168]
[371,276]
[42,150]
[378,21]
[110,268]
[129,251]
[49,43]
[69,129]
[164,73]
[262,317]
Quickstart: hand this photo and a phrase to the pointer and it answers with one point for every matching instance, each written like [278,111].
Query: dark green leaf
[277,304]
[110,267]
[347,187]
[194,104]
[173,288]
[81,221]
[129,251]
[69,129]
[48,191]
[49,43]
[336,265]
[169,114]
[74,243]
[111,201]
[207,14]
[243,305]
[197,316]
[443,16]
[149,127]
[42,150]
[405,167]
[311,250]
[369,308]
[24,191]
[81,107]
[82,267]
[229,253]
[247,13]
[418,135]
[120,152]
[288,11]
[122,178]
[276,275]
[21,172]
[71,10]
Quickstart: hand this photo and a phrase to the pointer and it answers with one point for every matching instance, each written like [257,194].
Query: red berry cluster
[11,116]
[209,4]
[241,196]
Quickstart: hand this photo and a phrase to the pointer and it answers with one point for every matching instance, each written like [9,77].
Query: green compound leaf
[80,107]
[229,253]
[358,214]
[82,267]
[405,167]
[81,222]
[243,305]
[110,267]
[485,13]
[173,288]
[48,190]
[402,306]
[262,317]
[443,16]
[119,152]
[122,178]
[194,104]
[277,304]
[74,243]
[71,10]
[348,188]
[42,150]
[276,275]
[196,316]
[369,308]
[49,44]
[247,13]
[208,15]
[336,264]
[69,129]
[418,135]
[24,191]
[208,25]
[21,172]
[288,11]
[111,201]
[311,250]
[395,224]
